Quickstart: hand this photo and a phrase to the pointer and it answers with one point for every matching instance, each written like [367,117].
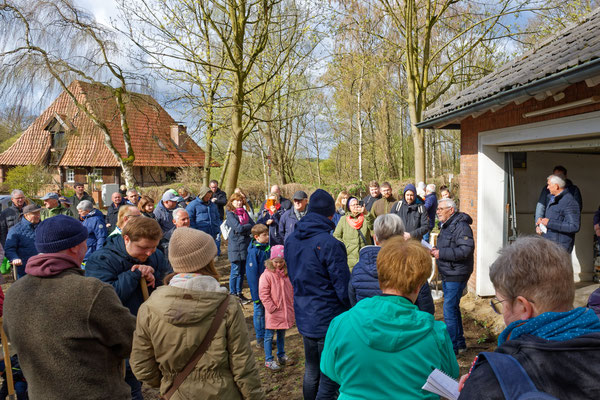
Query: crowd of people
[140,284]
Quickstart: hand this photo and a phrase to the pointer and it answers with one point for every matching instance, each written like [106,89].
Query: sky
[103,10]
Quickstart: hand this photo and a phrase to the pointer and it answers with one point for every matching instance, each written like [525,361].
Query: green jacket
[52,212]
[384,348]
[352,239]
[170,326]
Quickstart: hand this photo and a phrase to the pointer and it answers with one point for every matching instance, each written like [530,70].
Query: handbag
[225,230]
[180,377]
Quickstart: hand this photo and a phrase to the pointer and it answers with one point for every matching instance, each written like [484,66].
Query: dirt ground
[287,383]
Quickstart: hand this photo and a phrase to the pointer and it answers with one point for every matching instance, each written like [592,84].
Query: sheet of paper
[442,385]
[426,244]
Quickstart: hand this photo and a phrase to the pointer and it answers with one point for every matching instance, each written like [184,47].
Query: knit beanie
[322,203]
[190,250]
[276,252]
[59,233]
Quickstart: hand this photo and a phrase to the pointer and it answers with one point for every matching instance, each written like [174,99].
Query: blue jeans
[269,333]
[236,277]
[316,385]
[218,243]
[259,322]
[452,294]
[134,384]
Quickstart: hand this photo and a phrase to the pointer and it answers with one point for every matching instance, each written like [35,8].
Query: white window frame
[70,174]
[98,173]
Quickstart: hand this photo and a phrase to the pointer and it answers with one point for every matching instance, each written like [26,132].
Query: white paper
[426,244]
[543,228]
[442,385]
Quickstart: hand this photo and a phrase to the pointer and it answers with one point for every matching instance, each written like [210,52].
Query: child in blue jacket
[258,251]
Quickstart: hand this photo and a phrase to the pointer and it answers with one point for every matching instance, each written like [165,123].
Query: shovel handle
[7,363]
[144,285]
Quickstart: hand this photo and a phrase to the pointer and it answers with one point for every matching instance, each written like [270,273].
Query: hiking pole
[7,365]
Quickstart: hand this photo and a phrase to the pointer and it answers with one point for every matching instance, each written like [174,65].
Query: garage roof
[567,58]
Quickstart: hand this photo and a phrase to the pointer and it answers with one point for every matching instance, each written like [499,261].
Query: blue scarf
[557,326]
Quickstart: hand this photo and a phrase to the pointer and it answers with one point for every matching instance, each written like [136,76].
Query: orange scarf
[356,222]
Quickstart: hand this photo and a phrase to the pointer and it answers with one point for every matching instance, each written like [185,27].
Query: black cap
[31,208]
[300,195]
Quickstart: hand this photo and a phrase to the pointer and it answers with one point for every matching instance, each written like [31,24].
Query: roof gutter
[569,76]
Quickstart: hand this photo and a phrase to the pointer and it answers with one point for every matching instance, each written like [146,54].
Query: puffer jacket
[164,217]
[9,218]
[170,326]
[456,246]
[239,238]
[318,270]
[204,216]
[277,296]
[414,216]
[431,204]
[563,220]
[97,233]
[352,239]
[287,223]
[20,243]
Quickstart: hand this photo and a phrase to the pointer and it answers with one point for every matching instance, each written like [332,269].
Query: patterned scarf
[242,215]
[355,221]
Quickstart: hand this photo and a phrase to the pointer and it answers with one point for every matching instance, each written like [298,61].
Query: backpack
[513,379]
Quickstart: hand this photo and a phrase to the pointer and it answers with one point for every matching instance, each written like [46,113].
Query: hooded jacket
[258,253]
[204,216]
[20,243]
[170,326]
[385,345]
[71,332]
[456,246]
[352,239]
[318,269]
[277,296]
[564,220]
[112,264]
[97,233]
[414,215]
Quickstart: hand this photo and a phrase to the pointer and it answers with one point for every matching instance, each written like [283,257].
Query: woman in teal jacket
[385,347]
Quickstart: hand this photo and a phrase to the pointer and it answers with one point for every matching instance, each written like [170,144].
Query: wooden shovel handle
[7,363]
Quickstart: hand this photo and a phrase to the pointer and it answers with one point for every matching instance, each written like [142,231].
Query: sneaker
[285,360]
[260,344]
[244,299]
[272,365]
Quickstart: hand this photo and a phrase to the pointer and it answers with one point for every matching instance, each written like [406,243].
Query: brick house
[65,140]
[517,123]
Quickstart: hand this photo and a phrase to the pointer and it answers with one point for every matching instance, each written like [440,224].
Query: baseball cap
[50,195]
[300,195]
[170,196]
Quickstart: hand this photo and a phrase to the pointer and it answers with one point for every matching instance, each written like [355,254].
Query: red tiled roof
[149,128]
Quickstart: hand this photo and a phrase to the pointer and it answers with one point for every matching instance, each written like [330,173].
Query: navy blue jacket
[220,203]
[318,269]
[258,253]
[563,220]
[164,217]
[364,281]
[456,246]
[274,237]
[20,243]
[545,198]
[239,238]
[97,233]
[431,204]
[204,216]
[112,215]
[287,223]
[112,264]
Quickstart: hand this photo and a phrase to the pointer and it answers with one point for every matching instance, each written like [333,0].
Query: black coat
[112,214]
[239,238]
[370,200]
[221,201]
[9,218]
[456,246]
[414,216]
[565,369]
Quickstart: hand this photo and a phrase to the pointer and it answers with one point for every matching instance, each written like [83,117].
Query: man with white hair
[12,214]
[181,218]
[431,204]
[562,215]
[93,220]
[454,255]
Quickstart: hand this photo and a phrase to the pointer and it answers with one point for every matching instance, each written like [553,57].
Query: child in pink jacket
[276,294]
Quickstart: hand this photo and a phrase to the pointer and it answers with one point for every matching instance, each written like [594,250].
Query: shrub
[29,178]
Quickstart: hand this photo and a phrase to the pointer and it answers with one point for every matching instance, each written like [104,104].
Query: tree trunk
[237,137]
[128,174]
[360,130]
[210,134]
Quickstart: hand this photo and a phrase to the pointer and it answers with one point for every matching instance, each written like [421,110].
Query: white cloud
[103,10]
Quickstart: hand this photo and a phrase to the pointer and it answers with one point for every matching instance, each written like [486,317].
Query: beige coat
[170,326]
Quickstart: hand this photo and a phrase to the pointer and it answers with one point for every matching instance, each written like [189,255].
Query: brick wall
[510,115]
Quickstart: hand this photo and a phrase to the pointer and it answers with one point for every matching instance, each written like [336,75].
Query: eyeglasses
[443,208]
[497,305]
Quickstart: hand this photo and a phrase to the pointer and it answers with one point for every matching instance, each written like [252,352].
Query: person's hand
[147,273]
[361,209]
[461,382]
[273,209]
[108,225]
[538,230]
[544,221]
[17,262]
[435,252]
[214,199]
[406,236]
[269,221]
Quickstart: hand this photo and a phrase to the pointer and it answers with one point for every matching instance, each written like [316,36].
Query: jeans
[452,294]
[218,243]
[316,385]
[236,278]
[269,333]
[134,384]
[259,322]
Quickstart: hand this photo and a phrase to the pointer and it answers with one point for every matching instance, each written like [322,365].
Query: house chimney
[177,134]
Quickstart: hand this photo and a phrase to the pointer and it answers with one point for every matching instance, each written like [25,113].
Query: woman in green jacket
[353,230]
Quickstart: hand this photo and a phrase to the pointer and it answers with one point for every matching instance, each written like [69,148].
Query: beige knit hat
[190,250]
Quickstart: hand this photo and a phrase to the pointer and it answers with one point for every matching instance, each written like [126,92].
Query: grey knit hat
[190,250]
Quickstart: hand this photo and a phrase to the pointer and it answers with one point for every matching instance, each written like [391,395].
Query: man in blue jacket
[562,215]
[454,254]
[20,242]
[318,269]
[204,213]
[164,211]
[93,220]
[290,218]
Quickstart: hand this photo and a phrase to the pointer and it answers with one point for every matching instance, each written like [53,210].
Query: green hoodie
[385,348]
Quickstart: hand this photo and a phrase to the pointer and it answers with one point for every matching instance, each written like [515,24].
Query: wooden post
[7,364]
[144,286]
